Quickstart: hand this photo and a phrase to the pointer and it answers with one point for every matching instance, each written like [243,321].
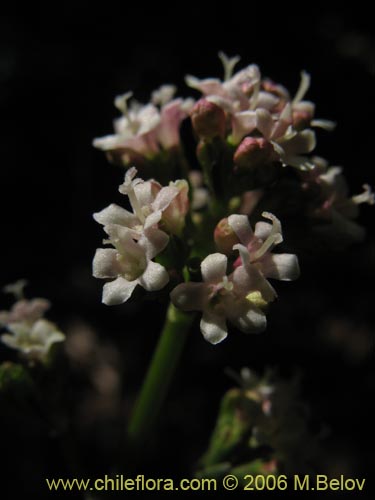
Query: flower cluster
[257,116]
[28,331]
[241,296]
[193,236]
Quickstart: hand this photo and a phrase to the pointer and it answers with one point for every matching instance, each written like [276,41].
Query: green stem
[159,375]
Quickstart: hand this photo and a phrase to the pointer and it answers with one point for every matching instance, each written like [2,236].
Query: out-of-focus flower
[29,333]
[146,129]
[128,264]
[331,203]
[25,311]
[200,195]
[33,340]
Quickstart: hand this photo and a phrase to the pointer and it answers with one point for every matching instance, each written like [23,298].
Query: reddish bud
[208,120]
[253,152]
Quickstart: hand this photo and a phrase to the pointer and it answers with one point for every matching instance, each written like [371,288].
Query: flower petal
[282,266]
[249,279]
[165,197]
[214,267]
[189,296]
[118,291]
[213,328]
[248,318]
[114,214]
[105,264]
[241,226]
[262,230]
[153,240]
[154,278]
[243,123]
[264,122]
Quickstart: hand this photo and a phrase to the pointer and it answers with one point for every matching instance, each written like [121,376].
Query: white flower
[134,130]
[145,129]
[256,250]
[34,340]
[221,298]
[29,332]
[149,200]
[129,264]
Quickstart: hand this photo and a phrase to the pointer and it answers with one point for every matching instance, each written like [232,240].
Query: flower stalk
[159,376]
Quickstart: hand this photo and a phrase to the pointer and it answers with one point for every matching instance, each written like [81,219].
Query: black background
[60,68]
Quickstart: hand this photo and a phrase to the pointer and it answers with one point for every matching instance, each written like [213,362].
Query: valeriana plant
[188,234]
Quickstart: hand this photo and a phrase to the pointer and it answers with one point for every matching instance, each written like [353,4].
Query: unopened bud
[208,120]
[225,237]
[253,152]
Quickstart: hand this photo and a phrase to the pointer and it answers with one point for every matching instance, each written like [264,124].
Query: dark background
[60,68]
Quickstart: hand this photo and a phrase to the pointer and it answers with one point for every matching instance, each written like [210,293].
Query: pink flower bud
[225,237]
[253,152]
[208,120]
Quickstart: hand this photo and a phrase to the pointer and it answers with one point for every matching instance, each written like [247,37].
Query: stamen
[366,197]
[128,188]
[274,238]
[228,63]
[303,87]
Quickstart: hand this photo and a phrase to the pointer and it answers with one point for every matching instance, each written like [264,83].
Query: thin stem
[159,375]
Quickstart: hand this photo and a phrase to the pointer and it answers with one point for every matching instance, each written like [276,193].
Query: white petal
[262,230]
[145,193]
[267,100]
[214,267]
[282,266]
[107,142]
[250,279]
[206,86]
[213,328]
[118,291]
[149,118]
[10,340]
[264,122]
[189,296]
[105,264]
[164,197]
[154,278]
[324,124]
[282,124]
[241,226]
[248,318]
[153,240]
[243,123]
[114,214]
